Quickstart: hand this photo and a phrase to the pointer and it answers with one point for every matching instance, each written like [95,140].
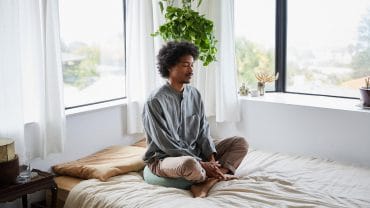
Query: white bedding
[266,180]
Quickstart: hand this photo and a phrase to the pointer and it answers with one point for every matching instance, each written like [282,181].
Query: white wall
[341,135]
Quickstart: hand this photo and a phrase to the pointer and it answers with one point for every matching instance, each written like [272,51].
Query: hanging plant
[186,24]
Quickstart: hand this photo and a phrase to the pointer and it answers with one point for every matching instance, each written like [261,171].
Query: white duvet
[266,180]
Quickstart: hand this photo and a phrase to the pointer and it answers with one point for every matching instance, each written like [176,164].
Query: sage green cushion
[153,179]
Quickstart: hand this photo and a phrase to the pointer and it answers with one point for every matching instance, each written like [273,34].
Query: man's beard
[186,81]
[188,78]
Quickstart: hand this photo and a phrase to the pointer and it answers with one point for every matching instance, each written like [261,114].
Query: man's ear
[169,70]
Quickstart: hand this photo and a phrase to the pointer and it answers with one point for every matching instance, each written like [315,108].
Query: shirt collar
[180,94]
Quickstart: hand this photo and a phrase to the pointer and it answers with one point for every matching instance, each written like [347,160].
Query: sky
[101,19]
[255,20]
[311,23]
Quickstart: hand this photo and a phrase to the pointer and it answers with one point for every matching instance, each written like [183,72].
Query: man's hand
[212,169]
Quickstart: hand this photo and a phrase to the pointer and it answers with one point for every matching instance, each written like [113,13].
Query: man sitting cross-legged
[178,135]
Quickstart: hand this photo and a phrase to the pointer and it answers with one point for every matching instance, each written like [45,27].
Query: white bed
[266,180]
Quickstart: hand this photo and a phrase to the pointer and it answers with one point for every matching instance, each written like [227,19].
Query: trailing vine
[186,24]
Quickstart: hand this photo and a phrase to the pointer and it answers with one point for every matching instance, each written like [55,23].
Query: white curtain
[31,82]
[217,82]
[142,76]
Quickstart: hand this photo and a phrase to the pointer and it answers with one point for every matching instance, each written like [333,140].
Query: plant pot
[9,171]
[261,88]
[365,95]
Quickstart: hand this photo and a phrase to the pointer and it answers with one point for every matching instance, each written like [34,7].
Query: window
[255,39]
[321,47]
[328,50]
[93,50]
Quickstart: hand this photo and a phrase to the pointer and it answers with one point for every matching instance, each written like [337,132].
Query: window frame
[124,3]
[281,51]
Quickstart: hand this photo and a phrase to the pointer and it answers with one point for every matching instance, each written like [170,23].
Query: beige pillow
[112,161]
[140,143]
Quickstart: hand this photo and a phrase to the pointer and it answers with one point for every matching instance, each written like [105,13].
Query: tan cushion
[112,161]
[65,185]
[140,143]
[66,182]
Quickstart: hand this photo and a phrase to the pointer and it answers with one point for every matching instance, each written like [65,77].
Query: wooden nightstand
[43,181]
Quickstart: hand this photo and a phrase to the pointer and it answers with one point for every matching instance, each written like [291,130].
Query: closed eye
[188,65]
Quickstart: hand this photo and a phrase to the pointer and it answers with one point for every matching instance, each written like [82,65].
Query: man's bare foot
[202,189]
[224,170]
[229,177]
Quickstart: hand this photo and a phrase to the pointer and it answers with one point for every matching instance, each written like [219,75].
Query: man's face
[183,70]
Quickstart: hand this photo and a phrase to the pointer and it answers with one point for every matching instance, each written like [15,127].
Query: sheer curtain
[31,82]
[141,74]
[216,83]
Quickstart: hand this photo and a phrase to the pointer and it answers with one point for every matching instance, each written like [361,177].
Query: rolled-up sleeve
[158,131]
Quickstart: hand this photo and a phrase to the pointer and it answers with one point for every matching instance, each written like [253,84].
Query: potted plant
[186,24]
[365,92]
[264,77]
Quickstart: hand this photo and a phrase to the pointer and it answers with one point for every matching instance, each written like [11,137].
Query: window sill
[309,101]
[95,107]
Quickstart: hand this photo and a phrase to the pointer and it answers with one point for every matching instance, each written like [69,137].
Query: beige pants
[230,153]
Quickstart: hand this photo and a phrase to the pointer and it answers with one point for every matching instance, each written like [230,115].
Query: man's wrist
[211,158]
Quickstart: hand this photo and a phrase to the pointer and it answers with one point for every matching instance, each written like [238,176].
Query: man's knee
[189,162]
[192,170]
[241,143]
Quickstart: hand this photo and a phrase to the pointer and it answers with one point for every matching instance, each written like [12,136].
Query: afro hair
[169,55]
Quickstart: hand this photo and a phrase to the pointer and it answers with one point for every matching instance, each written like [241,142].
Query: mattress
[65,185]
[265,180]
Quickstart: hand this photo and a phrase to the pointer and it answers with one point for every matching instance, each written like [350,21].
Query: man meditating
[178,135]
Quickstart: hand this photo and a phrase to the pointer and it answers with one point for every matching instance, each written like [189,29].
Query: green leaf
[154,34]
[186,24]
[161,6]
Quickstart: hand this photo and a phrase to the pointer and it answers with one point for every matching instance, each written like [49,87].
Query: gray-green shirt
[176,125]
